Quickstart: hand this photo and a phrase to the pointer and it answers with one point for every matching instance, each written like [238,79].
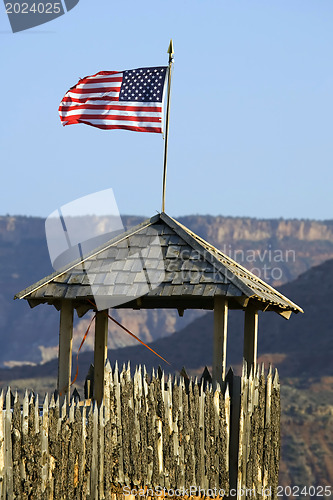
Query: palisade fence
[150,432]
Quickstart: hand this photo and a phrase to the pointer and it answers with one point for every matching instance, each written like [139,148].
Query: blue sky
[251,109]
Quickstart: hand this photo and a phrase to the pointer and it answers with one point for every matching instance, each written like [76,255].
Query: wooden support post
[100,354]
[65,350]
[220,339]
[250,337]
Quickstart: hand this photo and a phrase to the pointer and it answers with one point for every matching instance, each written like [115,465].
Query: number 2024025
[35,8]
[299,491]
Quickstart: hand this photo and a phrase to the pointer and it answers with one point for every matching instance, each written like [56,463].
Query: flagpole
[170,52]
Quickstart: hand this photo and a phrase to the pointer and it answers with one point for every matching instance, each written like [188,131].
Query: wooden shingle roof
[181,271]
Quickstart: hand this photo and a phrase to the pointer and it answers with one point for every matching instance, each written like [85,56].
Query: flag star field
[145,84]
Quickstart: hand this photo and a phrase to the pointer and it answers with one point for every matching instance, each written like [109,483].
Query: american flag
[131,99]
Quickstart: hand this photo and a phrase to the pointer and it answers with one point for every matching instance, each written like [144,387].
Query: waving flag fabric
[131,99]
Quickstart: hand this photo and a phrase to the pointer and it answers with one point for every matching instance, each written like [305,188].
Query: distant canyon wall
[276,250]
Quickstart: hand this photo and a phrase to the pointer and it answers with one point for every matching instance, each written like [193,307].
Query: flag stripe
[107,117]
[95,90]
[107,100]
[101,74]
[90,100]
[102,79]
[109,107]
[91,94]
[95,103]
[99,85]
[106,113]
[138,127]
[100,121]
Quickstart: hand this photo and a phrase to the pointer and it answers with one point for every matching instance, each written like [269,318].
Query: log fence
[151,431]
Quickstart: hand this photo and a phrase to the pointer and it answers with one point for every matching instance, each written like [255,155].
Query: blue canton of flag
[144,85]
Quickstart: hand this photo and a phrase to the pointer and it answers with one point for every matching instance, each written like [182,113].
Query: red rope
[137,338]
[132,334]
[77,355]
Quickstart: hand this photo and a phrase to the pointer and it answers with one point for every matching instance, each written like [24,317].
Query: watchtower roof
[157,264]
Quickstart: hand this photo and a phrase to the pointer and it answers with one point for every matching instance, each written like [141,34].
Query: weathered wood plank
[151,441]
[227,425]
[275,435]
[107,390]
[217,437]
[143,425]
[119,425]
[224,433]
[201,450]
[175,417]
[64,437]
[8,446]
[94,456]
[17,446]
[83,476]
[235,391]
[137,458]
[125,411]
[70,487]
[167,432]
[191,476]
[241,474]
[181,475]
[101,452]
[53,445]
[268,432]
[2,447]
[45,447]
